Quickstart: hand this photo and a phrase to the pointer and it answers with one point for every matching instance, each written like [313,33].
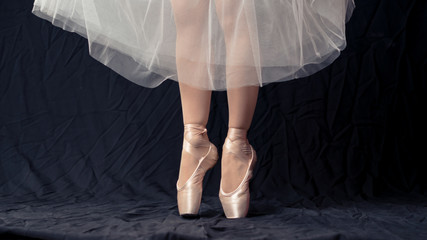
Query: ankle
[237,133]
[237,142]
[196,134]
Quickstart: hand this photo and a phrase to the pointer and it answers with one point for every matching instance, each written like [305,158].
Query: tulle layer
[208,44]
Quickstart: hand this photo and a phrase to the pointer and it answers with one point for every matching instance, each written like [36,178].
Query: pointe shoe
[189,195]
[236,203]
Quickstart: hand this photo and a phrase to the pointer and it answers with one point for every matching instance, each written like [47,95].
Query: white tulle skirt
[208,44]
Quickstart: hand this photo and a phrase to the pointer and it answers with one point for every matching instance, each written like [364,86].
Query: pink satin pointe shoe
[189,195]
[236,203]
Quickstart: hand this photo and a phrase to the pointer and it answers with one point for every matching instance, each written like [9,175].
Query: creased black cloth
[86,154]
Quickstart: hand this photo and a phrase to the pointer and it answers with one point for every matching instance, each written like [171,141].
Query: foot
[235,164]
[196,135]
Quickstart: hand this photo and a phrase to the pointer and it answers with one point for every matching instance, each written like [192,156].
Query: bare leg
[241,101]
[190,18]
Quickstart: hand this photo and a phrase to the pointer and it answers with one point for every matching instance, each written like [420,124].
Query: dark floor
[81,218]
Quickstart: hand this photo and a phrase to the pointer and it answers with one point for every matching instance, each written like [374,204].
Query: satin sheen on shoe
[189,195]
[236,203]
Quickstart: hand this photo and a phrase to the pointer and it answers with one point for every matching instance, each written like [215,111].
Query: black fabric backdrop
[86,154]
